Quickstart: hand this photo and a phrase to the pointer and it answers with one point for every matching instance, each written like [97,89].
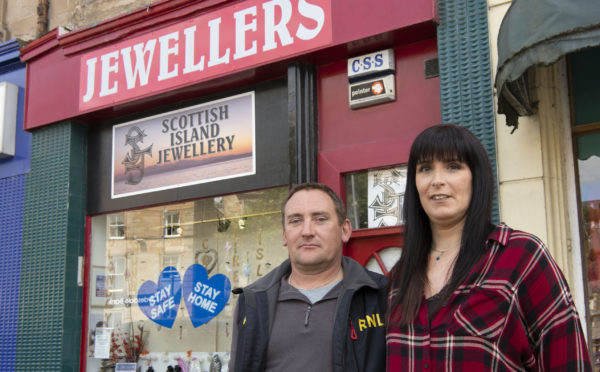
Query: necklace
[441,253]
[322,285]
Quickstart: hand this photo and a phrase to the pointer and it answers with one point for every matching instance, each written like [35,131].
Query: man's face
[312,232]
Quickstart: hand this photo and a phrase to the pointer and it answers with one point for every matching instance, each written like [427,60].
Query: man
[317,311]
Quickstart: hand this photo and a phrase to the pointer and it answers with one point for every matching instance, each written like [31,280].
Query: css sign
[371,64]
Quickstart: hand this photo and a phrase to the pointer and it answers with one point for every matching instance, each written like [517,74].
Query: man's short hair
[340,208]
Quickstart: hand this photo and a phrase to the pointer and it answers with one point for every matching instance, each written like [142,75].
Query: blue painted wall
[12,191]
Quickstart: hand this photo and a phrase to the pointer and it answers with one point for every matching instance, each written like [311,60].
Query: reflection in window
[235,236]
[588,154]
[171,260]
[172,225]
[116,226]
[116,274]
[375,197]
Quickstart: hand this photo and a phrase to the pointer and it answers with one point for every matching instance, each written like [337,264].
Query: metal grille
[465,73]
[11,218]
[49,324]
[432,68]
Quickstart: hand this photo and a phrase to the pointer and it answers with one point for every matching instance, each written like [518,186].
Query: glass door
[588,163]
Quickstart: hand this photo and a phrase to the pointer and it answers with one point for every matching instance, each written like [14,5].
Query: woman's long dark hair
[408,277]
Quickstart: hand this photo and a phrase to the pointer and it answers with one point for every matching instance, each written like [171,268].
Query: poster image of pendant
[203,143]
[386,196]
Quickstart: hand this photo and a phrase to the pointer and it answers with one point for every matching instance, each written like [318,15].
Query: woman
[467,295]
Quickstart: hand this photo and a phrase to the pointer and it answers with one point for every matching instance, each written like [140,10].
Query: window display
[161,295]
[375,197]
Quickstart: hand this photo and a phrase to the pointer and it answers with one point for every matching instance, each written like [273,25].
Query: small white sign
[370,64]
[102,343]
[122,367]
[9,94]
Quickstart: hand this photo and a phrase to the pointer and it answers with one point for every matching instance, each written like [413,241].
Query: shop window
[585,94]
[374,200]
[588,161]
[375,197]
[172,226]
[116,226]
[175,294]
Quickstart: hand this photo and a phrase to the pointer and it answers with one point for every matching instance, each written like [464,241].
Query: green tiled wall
[49,324]
[465,72]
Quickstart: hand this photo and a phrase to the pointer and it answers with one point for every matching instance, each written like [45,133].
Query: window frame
[169,225]
[112,224]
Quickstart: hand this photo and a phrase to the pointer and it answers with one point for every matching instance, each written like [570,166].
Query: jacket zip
[308,308]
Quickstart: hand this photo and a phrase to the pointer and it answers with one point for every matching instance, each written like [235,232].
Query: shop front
[547,79]
[164,142]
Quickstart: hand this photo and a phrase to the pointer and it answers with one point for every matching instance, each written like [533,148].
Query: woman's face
[445,189]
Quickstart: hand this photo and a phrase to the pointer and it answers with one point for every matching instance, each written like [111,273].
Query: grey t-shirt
[302,331]
[317,294]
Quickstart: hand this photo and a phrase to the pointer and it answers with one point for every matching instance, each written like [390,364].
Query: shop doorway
[585,118]
[374,199]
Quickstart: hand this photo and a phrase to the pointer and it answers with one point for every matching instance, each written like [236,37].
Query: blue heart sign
[160,302]
[204,298]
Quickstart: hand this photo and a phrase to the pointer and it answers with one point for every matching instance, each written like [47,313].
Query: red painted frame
[53,61]
[365,243]
[376,136]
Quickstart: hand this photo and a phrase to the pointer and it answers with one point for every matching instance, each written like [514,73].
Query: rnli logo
[369,321]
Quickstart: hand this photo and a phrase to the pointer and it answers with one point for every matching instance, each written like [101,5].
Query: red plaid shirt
[513,313]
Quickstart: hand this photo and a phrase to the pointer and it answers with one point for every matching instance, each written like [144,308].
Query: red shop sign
[232,39]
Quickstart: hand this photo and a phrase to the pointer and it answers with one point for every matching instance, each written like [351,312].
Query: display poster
[100,285]
[386,196]
[102,343]
[203,143]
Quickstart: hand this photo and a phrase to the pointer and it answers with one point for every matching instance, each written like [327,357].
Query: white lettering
[107,68]
[214,44]
[165,52]
[204,303]
[313,12]
[132,64]
[208,305]
[280,28]
[190,47]
[162,308]
[161,295]
[142,68]
[206,290]
[91,77]
[241,27]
